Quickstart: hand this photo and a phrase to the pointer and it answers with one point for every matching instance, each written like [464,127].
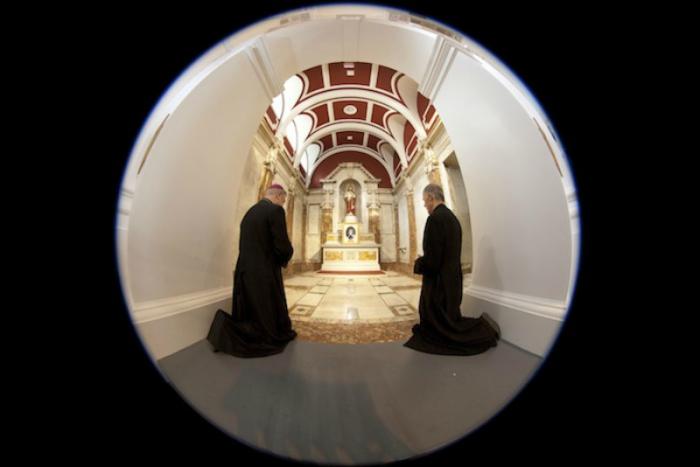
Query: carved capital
[328,200]
[373,202]
[270,160]
[409,186]
[431,162]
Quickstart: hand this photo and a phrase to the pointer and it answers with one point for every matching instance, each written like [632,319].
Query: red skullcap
[276,185]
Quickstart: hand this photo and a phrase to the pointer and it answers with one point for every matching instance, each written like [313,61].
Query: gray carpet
[348,404]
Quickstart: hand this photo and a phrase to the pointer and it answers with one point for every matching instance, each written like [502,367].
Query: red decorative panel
[408,132]
[378,114]
[384,77]
[429,115]
[315,76]
[372,165]
[288,145]
[349,137]
[340,114]
[271,115]
[339,76]
[397,161]
[321,112]
[423,103]
[373,143]
[327,142]
[303,172]
[411,147]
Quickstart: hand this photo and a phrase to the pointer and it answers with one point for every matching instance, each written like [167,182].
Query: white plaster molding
[262,64]
[299,16]
[164,307]
[440,62]
[373,75]
[326,77]
[351,34]
[126,199]
[542,307]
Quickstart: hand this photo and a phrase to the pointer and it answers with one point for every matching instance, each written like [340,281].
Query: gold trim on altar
[333,255]
[368,256]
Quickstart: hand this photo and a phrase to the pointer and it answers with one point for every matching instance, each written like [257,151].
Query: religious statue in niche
[350,200]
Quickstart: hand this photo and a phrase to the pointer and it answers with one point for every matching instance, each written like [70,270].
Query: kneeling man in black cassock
[259,324]
[442,328]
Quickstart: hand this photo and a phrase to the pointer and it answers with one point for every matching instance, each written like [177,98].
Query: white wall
[387,44]
[460,206]
[181,221]
[520,220]
[313,233]
[247,196]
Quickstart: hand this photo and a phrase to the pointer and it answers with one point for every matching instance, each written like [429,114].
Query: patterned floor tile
[353,309]
[404,310]
[310,299]
[392,299]
[355,333]
[301,310]
[406,287]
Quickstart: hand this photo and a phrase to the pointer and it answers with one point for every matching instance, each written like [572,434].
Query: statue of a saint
[350,200]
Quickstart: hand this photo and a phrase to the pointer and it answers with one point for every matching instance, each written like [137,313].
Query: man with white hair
[259,324]
[442,328]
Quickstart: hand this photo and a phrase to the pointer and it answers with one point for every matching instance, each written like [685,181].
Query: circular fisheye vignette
[176,93]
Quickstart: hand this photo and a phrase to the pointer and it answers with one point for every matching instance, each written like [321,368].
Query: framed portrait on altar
[351,234]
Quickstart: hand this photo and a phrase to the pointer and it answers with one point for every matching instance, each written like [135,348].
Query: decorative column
[397,229]
[373,207]
[432,166]
[412,243]
[269,171]
[326,216]
[290,214]
[304,214]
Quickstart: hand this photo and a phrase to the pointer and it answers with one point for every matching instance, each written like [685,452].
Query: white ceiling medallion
[350,110]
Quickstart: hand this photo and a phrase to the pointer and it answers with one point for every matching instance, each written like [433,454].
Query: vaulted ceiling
[350,111]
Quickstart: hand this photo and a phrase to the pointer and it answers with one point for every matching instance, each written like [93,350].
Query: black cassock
[259,324]
[442,328]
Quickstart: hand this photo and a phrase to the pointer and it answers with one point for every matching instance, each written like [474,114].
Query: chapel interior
[353,109]
[354,143]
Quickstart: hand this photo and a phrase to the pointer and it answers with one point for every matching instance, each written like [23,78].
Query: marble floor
[343,308]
